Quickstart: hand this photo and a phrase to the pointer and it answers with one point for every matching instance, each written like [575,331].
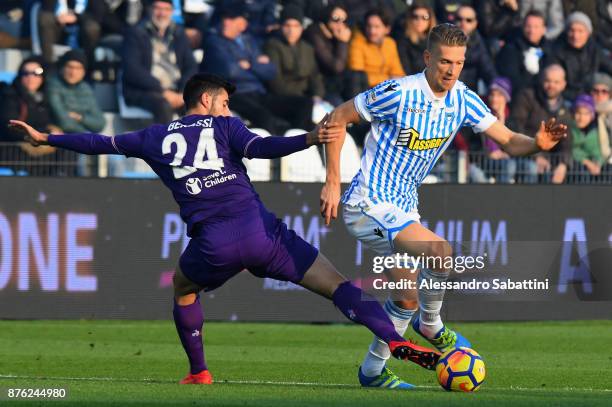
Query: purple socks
[189,320]
[363,309]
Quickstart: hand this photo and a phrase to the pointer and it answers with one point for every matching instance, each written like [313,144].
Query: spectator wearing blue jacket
[235,55]
[157,61]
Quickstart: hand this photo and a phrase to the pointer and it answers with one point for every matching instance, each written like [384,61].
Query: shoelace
[389,374]
[447,337]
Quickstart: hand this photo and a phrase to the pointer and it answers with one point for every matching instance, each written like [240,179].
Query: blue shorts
[256,241]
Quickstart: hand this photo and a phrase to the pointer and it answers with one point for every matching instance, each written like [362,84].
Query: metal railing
[21,159]
[18,159]
[551,168]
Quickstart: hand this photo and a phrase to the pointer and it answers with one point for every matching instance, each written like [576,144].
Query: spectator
[498,19]
[75,22]
[11,25]
[296,66]
[71,99]
[520,59]
[579,55]
[25,100]
[498,162]
[375,53]
[586,151]
[412,38]
[540,103]
[604,31]
[478,63]
[552,10]
[157,61]
[330,38]
[260,14]
[600,91]
[588,7]
[235,55]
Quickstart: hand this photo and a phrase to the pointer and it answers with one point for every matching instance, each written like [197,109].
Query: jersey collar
[424,85]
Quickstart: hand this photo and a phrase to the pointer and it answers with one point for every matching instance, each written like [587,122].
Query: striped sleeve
[478,115]
[380,102]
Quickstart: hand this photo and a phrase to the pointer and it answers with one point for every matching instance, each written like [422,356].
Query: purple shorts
[256,241]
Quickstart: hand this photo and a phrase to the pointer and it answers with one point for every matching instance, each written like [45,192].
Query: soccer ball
[461,369]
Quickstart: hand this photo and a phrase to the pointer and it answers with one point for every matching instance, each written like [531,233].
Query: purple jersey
[199,158]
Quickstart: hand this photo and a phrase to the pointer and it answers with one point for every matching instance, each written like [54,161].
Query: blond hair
[446,34]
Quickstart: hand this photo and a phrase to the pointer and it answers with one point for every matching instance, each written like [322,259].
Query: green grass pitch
[128,363]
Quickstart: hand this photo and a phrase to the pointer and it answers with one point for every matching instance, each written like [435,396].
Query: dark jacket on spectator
[530,108]
[411,55]
[331,54]
[332,57]
[138,60]
[17,103]
[478,63]
[495,20]
[580,64]
[510,62]
[604,30]
[221,56]
[296,67]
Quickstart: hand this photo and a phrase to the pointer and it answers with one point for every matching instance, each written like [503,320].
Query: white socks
[379,352]
[430,302]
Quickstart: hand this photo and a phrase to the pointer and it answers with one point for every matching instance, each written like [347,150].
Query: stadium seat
[350,159]
[7,76]
[303,166]
[10,59]
[6,172]
[258,169]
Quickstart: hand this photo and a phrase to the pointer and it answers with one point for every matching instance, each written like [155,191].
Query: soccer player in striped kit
[414,120]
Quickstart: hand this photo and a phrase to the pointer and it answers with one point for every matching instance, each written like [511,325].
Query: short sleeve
[478,115]
[380,102]
[129,144]
[240,138]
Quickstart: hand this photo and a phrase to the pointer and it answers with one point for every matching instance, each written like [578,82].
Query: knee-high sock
[378,353]
[363,309]
[189,320]
[430,302]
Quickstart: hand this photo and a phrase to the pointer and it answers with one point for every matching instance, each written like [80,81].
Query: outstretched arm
[517,144]
[86,143]
[276,147]
[330,194]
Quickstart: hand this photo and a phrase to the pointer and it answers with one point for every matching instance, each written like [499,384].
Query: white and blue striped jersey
[411,128]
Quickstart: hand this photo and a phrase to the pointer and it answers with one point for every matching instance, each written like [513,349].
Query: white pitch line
[266,382]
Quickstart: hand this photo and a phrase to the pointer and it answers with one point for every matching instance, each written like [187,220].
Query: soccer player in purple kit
[199,158]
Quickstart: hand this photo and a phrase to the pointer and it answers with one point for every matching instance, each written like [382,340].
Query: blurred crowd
[530,60]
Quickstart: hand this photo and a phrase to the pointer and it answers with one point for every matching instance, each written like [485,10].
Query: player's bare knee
[184,300]
[440,249]
[185,290]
